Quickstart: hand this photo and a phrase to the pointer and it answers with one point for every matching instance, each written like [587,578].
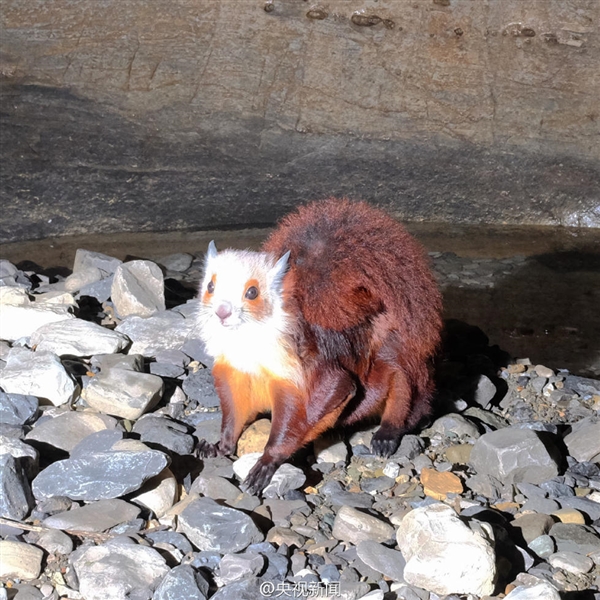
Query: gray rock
[210,526]
[584,505]
[354,526]
[20,321]
[234,567]
[543,546]
[454,425]
[246,589]
[76,337]
[375,485]
[166,433]
[571,562]
[584,442]
[325,451]
[539,591]
[533,525]
[484,391]
[165,330]
[194,347]
[39,374]
[410,447]
[199,386]
[282,510]
[100,441]
[54,541]
[130,362]
[485,416]
[99,476]
[114,571]
[556,489]
[138,289]
[25,591]
[158,494]
[389,562]
[286,478]
[575,538]
[337,496]
[207,426]
[16,499]
[170,537]
[541,505]
[166,370]
[94,517]
[123,393]
[74,282]
[180,261]
[20,560]
[445,556]
[217,488]
[85,259]
[100,290]
[17,409]
[182,583]
[484,485]
[66,430]
[515,455]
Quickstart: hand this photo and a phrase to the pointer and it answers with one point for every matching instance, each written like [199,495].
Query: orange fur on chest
[252,393]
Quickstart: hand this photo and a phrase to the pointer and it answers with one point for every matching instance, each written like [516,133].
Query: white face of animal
[241,316]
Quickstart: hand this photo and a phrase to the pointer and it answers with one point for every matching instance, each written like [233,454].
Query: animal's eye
[252,293]
[210,288]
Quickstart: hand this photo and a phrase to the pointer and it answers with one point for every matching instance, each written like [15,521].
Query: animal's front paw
[259,476]
[205,449]
[385,442]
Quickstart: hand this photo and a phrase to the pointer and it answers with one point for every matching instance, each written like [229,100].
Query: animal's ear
[212,250]
[279,270]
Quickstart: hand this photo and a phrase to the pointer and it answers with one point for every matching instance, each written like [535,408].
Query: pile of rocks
[106,391]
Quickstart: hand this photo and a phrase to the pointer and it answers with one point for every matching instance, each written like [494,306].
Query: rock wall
[120,115]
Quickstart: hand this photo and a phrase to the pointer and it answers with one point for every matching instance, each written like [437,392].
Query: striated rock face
[443,555]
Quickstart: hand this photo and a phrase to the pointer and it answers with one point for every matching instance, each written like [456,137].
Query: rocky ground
[106,392]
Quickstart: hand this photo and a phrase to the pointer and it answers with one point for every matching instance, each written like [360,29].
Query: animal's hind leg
[406,405]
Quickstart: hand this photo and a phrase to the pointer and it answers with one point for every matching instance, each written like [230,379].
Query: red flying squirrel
[336,321]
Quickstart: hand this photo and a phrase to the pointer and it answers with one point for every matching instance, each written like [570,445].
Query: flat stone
[543,546]
[39,374]
[514,455]
[26,454]
[382,559]
[584,505]
[66,430]
[165,330]
[443,555]
[210,526]
[286,478]
[245,589]
[533,525]
[254,437]
[539,591]
[138,289]
[284,535]
[16,499]
[575,538]
[484,391]
[569,515]
[166,433]
[540,505]
[130,362]
[99,476]
[20,560]
[54,541]
[114,571]
[325,451]
[217,488]
[22,320]
[76,337]
[454,425]
[17,409]
[94,517]
[243,465]
[85,259]
[123,393]
[584,443]
[182,583]
[282,510]
[179,261]
[439,485]
[158,494]
[200,386]
[99,441]
[571,562]
[354,526]
[100,290]
[234,567]
[75,281]
[459,454]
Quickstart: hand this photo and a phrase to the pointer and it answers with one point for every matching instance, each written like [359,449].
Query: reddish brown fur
[367,324]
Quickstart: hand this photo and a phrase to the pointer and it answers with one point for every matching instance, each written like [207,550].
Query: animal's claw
[205,449]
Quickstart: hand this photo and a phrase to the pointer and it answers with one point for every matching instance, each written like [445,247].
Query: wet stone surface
[104,498]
